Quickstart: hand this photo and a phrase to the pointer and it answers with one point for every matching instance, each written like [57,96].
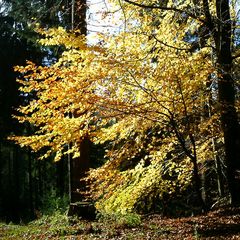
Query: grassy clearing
[220,224]
[59,226]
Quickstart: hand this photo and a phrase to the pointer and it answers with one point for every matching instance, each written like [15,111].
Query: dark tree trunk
[226,95]
[30,184]
[60,168]
[36,184]
[78,18]
[79,168]
[16,188]
[198,184]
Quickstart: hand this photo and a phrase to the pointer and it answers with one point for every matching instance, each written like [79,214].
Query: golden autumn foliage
[141,90]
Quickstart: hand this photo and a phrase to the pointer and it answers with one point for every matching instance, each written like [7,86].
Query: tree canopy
[160,94]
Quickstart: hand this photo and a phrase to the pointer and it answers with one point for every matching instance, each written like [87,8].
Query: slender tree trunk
[78,16]
[196,175]
[36,185]
[40,181]
[60,177]
[30,183]
[1,177]
[220,181]
[220,184]
[78,166]
[193,157]
[16,182]
[69,178]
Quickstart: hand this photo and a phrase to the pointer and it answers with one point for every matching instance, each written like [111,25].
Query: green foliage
[57,218]
[58,223]
[12,231]
[122,220]
[51,202]
[48,226]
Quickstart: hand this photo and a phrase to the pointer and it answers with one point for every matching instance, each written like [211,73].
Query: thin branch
[181,139]
[208,17]
[170,46]
[151,95]
[124,15]
[165,8]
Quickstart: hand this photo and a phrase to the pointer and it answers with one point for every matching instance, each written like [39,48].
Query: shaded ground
[219,224]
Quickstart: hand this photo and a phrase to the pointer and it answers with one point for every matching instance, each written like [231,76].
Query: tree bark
[79,168]
[226,96]
[78,16]
[30,183]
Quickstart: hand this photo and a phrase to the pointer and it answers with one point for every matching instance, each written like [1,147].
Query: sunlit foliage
[144,92]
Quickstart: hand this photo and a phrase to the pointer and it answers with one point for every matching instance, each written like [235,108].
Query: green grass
[47,227]
[125,227]
[59,226]
[11,231]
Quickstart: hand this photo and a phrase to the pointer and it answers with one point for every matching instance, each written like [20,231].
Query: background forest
[26,184]
[139,116]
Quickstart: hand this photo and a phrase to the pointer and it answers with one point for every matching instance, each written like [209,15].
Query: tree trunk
[60,179]
[226,96]
[78,16]
[30,183]
[79,168]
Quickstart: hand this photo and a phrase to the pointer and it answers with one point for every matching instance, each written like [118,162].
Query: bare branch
[208,17]
[170,46]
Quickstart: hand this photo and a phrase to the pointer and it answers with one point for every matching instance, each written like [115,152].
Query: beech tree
[144,92]
[216,25]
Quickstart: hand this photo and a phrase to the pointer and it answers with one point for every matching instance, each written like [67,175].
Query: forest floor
[218,224]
